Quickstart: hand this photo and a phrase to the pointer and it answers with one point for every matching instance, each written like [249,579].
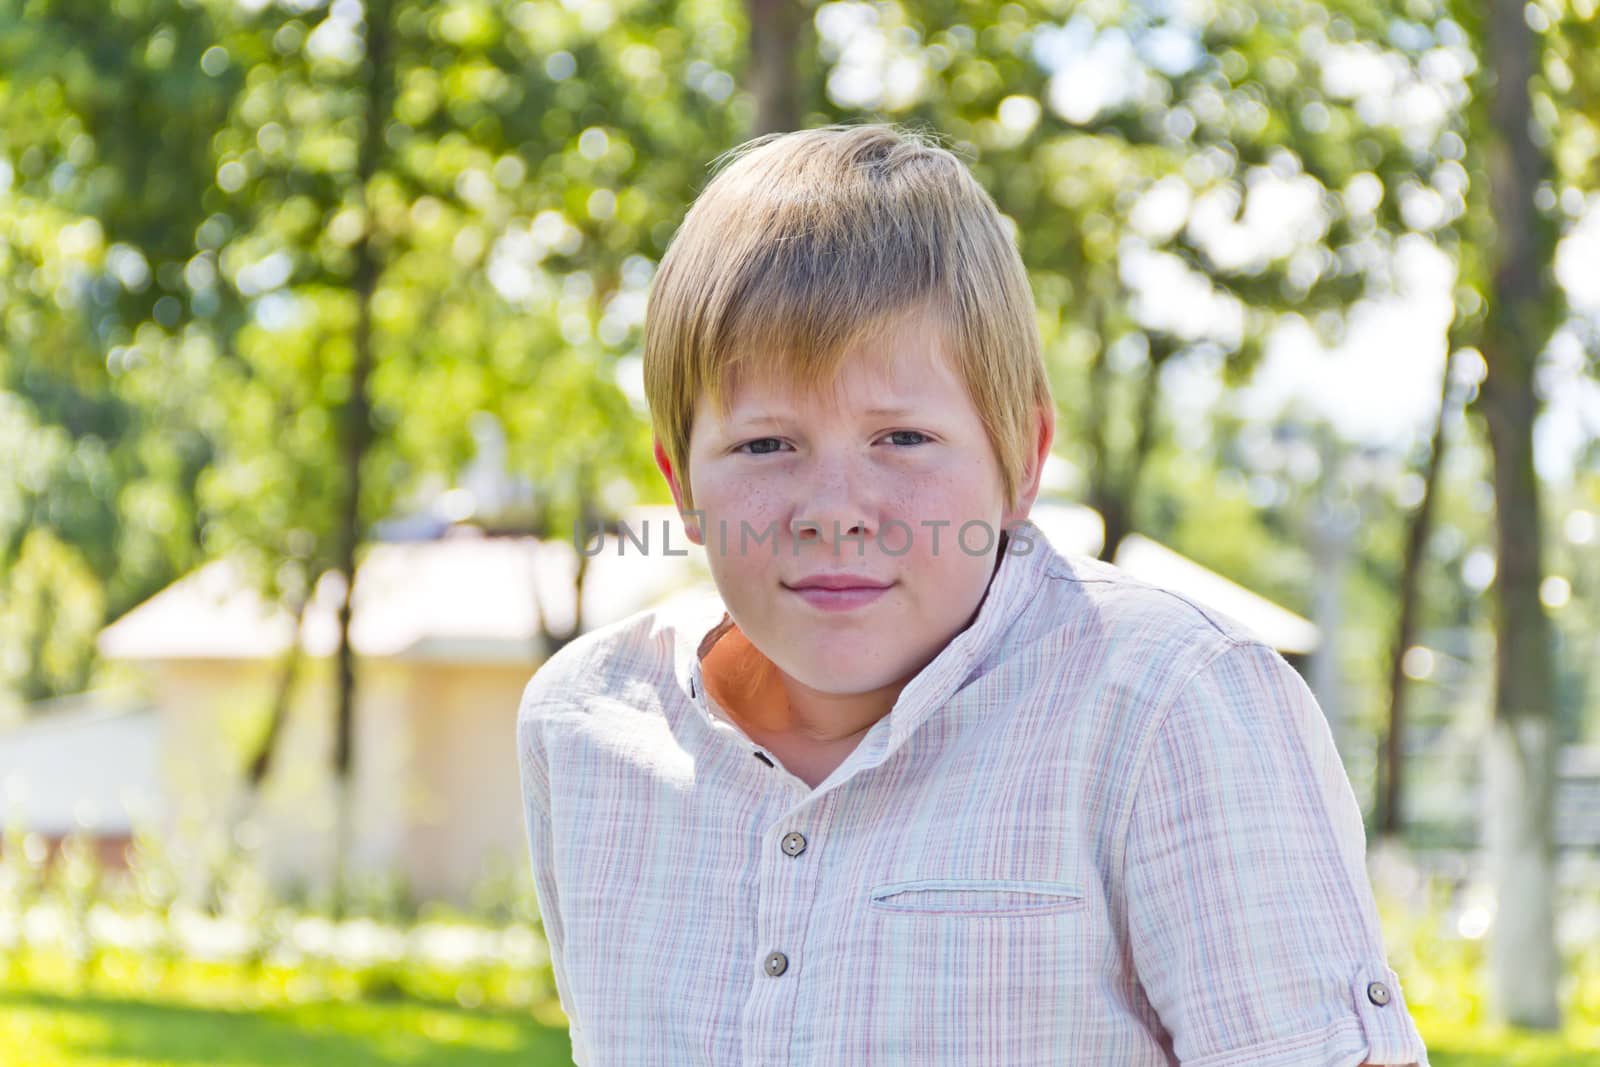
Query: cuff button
[1378,993]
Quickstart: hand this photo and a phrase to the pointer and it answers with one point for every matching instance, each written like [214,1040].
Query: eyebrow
[777,420]
[757,420]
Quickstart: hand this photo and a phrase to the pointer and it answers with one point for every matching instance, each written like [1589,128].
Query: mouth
[838,596]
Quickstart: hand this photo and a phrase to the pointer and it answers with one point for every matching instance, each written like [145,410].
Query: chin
[844,679]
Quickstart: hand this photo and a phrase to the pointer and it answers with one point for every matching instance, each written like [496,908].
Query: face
[868,485]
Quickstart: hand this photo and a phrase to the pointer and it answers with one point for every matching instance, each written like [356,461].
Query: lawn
[44,1029]
[132,1013]
[135,1013]
[449,992]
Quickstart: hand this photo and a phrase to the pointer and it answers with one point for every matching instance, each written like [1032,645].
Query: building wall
[466,811]
[212,712]
[436,794]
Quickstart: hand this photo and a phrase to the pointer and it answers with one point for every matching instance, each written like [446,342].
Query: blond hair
[806,244]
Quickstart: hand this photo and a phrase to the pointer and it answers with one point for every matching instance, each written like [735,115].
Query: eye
[910,433]
[753,450]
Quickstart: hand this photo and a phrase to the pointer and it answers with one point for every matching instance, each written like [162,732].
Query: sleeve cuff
[1379,1032]
[1386,1023]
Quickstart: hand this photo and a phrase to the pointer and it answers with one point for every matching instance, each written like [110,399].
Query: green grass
[100,1030]
[1444,978]
[1497,1048]
[129,1011]
[1448,1005]
[52,1029]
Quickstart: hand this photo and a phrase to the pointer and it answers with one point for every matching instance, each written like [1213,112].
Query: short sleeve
[1253,928]
[534,774]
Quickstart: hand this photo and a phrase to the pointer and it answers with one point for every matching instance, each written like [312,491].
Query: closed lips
[838,582]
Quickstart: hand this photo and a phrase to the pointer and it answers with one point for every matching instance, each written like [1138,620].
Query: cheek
[731,495]
[740,512]
[744,503]
[956,494]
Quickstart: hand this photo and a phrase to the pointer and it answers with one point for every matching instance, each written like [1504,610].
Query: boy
[916,788]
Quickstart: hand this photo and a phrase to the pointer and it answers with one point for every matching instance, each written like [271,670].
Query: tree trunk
[1520,766]
[357,434]
[260,765]
[1391,764]
[775,28]
[1520,757]
[1103,497]
[1114,490]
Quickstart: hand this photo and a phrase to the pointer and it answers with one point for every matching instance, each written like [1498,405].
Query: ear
[1033,474]
[664,464]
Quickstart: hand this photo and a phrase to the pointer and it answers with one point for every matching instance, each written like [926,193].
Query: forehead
[906,366]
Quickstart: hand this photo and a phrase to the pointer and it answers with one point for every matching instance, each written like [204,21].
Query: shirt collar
[1015,581]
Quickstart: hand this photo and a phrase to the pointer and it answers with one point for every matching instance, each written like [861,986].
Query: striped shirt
[1104,825]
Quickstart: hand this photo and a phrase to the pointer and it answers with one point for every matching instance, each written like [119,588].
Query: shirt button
[1378,993]
[777,963]
[794,843]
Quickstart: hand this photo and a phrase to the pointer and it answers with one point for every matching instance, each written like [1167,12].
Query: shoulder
[1248,706]
[1202,679]
[606,661]
[1128,626]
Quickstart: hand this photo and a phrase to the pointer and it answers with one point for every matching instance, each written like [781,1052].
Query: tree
[440,221]
[105,342]
[1419,528]
[778,45]
[1521,306]
[1527,139]
[377,75]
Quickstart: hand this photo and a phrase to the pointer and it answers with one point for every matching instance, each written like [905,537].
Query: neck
[765,700]
[834,717]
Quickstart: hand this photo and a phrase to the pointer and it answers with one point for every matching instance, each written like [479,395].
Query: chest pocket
[963,970]
[975,897]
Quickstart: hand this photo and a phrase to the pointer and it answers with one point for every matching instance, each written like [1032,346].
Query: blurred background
[292,291]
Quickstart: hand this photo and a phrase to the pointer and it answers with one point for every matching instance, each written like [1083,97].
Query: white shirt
[1103,826]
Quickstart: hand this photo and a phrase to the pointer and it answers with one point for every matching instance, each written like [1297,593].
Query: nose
[833,505]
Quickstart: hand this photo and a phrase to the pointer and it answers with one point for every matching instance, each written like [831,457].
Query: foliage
[54,612]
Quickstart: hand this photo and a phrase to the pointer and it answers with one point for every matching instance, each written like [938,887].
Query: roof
[460,599]
[1073,529]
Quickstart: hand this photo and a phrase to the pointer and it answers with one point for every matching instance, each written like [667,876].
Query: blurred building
[446,633]
[85,763]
